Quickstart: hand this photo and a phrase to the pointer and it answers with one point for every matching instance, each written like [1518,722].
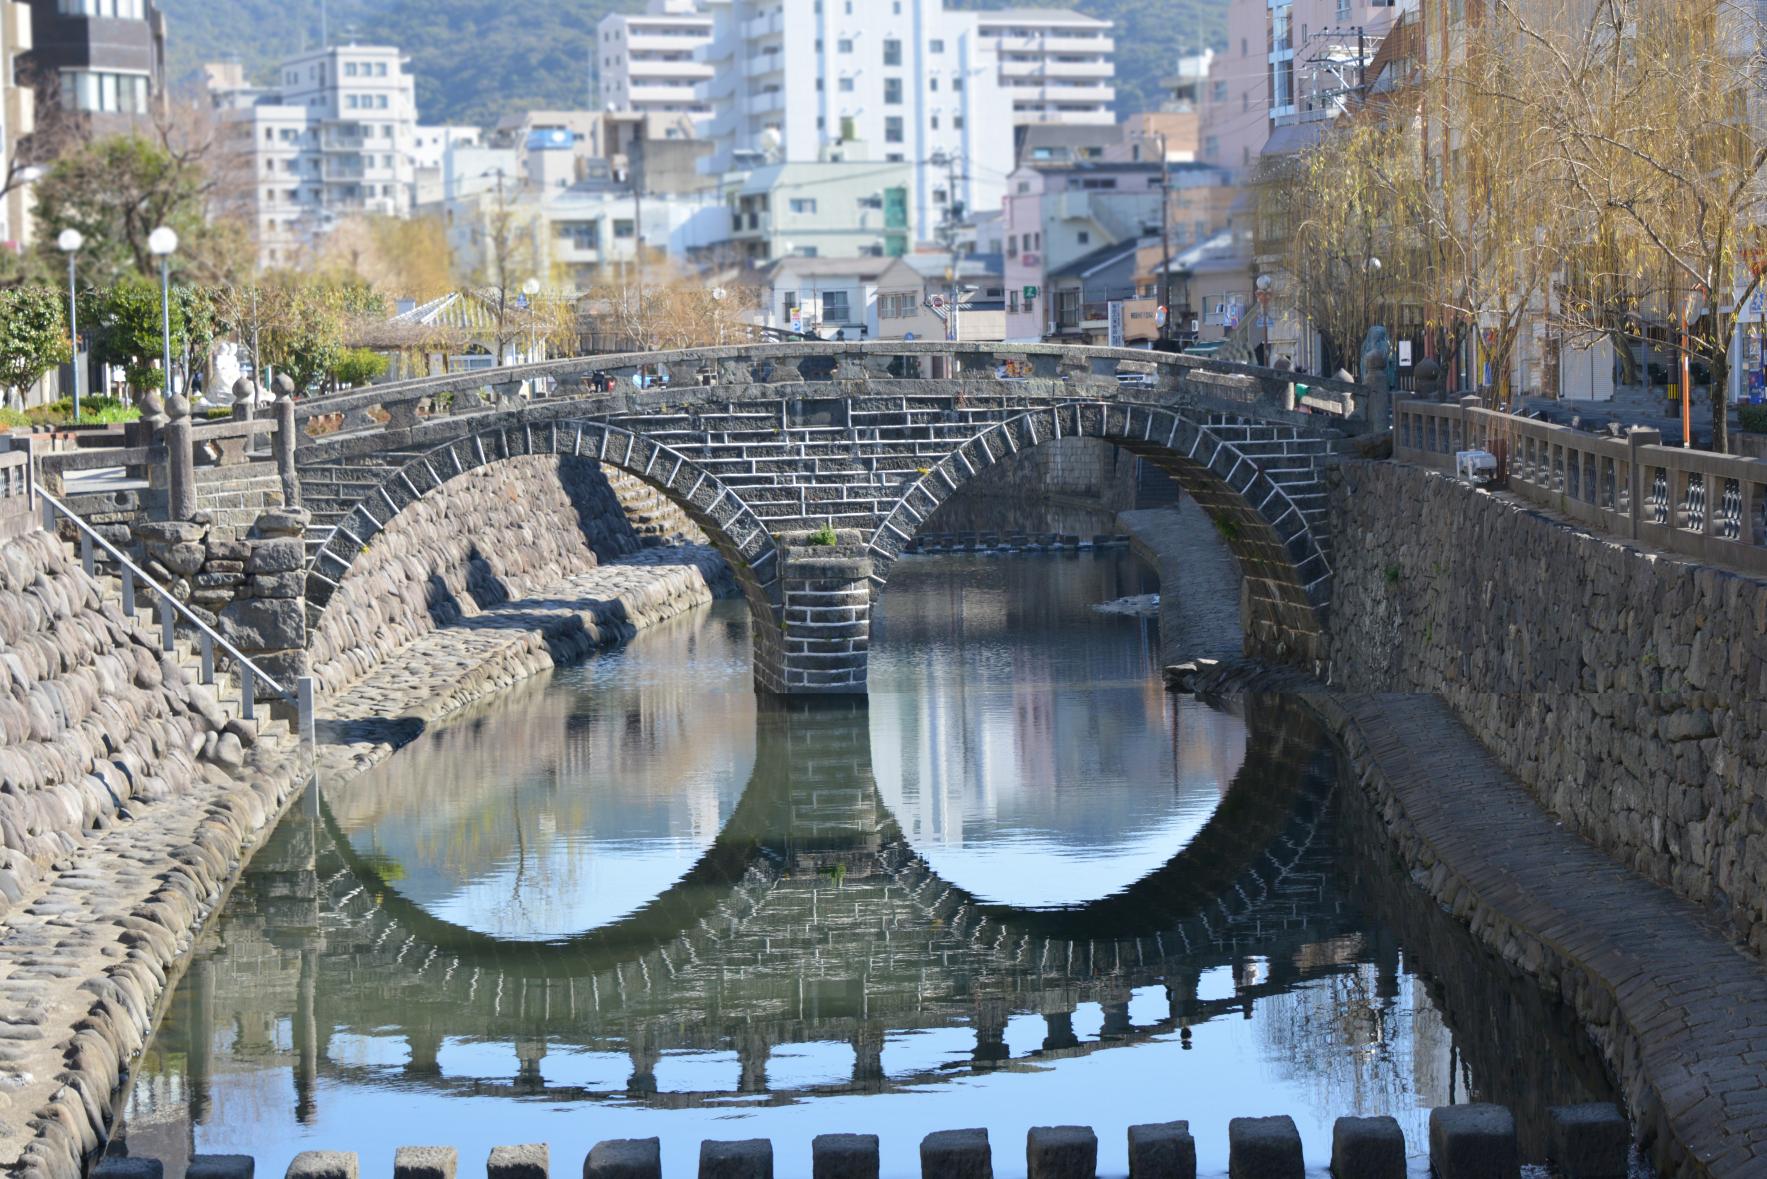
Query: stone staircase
[330,490]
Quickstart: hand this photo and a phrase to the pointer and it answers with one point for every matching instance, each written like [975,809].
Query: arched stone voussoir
[1258,518]
[732,526]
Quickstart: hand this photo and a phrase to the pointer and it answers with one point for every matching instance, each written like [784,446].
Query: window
[1012,244]
[119,9]
[834,307]
[939,196]
[892,92]
[803,205]
[892,51]
[90,90]
[623,229]
[934,120]
[349,69]
[582,235]
[844,45]
[380,69]
[932,84]
[935,46]
[893,129]
[1012,302]
[1083,237]
[957,122]
[846,85]
[957,82]
[380,100]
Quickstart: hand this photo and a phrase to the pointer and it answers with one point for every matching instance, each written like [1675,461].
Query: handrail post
[128,593]
[285,443]
[167,633]
[1637,438]
[86,561]
[304,712]
[248,692]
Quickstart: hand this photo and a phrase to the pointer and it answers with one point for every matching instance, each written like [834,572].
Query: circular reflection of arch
[811,813]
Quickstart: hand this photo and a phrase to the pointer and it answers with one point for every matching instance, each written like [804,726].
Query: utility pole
[1165,237]
[634,167]
[949,232]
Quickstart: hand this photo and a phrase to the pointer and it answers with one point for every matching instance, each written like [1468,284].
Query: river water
[1023,885]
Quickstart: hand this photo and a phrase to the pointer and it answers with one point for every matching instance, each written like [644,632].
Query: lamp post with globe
[70,240]
[180,462]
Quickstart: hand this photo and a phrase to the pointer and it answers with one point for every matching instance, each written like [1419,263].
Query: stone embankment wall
[92,715]
[491,535]
[1625,689]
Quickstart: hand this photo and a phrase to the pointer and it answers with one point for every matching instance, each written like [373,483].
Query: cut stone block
[124,1167]
[1162,1150]
[625,1158]
[1061,1152]
[324,1164]
[1473,1142]
[529,1161]
[220,1166]
[1264,1148]
[844,1156]
[425,1162]
[749,1158]
[956,1154]
[1589,1141]
[1367,1148]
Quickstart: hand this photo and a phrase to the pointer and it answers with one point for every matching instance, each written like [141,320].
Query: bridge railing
[1694,502]
[404,403]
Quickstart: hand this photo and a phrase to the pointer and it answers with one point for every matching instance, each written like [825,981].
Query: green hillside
[477,60]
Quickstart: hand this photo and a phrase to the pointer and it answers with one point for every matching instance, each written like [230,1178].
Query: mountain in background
[477,60]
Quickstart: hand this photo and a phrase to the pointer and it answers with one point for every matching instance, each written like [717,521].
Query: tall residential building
[649,61]
[1288,64]
[336,136]
[903,82]
[1058,66]
[17,119]
[102,63]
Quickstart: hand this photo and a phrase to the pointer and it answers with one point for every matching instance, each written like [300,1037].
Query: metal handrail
[250,674]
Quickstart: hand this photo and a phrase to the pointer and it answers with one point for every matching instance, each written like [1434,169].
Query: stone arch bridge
[767,446]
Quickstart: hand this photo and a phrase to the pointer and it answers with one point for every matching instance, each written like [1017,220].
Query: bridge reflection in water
[378,979]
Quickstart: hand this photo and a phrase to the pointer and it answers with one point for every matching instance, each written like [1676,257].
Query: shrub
[823,536]
[358,366]
[1754,418]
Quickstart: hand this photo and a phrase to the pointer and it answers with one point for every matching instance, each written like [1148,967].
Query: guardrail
[210,643]
[1693,502]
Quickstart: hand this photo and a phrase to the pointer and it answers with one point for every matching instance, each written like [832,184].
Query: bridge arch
[1258,481]
[740,537]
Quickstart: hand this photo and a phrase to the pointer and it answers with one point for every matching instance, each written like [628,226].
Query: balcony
[765,103]
[694,71]
[764,26]
[762,65]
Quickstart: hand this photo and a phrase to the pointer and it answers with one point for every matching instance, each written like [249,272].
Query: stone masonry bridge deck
[765,446]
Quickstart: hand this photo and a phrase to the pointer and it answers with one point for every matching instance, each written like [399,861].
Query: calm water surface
[1022,886]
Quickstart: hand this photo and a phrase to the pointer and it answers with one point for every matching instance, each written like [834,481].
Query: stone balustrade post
[180,460]
[268,620]
[245,396]
[286,441]
[1637,438]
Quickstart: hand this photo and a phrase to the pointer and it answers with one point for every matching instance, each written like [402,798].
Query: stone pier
[822,647]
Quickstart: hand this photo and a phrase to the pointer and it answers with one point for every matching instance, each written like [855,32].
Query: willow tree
[1327,214]
[1659,158]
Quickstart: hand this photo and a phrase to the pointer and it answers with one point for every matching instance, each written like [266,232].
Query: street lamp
[1265,282]
[70,241]
[162,243]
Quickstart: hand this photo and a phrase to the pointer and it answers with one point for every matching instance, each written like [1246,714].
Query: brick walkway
[1680,1010]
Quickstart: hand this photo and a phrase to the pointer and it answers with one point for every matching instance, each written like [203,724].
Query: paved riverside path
[1680,1011]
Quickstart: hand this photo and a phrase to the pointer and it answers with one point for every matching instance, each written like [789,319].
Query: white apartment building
[1058,66]
[17,120]
[335,136]
[650,61]
[894,81]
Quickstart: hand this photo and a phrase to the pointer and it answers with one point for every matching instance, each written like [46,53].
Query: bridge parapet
[633,381]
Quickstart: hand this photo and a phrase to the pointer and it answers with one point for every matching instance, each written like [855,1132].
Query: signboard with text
[1115,314]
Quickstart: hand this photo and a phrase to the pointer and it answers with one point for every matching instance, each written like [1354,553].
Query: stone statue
[224,373]
[1376,353]
[1428,379]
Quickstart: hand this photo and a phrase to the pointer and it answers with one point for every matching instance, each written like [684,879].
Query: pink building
[1054,215]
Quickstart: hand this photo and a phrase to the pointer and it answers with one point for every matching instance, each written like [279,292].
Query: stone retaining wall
[490,535]
[1627,690]
[92,715]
